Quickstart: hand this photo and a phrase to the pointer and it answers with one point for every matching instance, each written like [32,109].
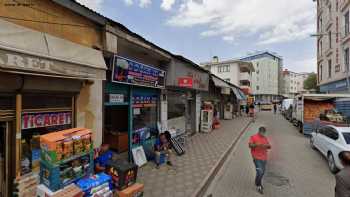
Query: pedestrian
[247,110]
[274,108]
[259,105]
[259,146]
[342,178]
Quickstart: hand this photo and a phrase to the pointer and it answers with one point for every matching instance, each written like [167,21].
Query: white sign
[116,98]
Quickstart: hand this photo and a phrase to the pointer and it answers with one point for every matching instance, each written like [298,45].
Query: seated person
[163,146]
[104,156]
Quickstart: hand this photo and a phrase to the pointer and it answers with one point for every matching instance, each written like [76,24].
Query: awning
[220,83]
[26,51]
[236,92]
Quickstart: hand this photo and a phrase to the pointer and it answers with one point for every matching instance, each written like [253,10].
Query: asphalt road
[293,170]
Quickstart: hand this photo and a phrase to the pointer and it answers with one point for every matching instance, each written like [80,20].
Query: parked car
[330,141]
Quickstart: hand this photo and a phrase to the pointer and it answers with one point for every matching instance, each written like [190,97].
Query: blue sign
[130,72]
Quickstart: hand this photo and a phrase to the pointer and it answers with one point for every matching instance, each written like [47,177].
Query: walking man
[274,108]
[259,145]
[342,178]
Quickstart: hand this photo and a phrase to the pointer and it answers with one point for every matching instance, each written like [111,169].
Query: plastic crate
[57,176]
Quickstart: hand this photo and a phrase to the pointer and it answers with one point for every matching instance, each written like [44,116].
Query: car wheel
[312,143]
[331,163]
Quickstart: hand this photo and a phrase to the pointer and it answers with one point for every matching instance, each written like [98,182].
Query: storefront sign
[38,120]
[186,82]
[29,63]
[134,73]
[116,98]
[140,101]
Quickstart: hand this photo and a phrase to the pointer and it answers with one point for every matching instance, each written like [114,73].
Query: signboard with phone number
[130,72]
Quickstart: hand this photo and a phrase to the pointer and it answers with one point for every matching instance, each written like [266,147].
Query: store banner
[47,119]
[130,72]
[186,82]
[140,101]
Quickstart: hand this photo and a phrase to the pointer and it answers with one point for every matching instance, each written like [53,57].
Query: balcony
[245,76]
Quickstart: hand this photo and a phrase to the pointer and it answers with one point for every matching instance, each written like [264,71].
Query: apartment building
[267,79]
[333,42]
[293,83]
[234,71]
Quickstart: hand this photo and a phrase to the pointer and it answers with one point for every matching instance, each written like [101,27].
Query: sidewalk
[202,153]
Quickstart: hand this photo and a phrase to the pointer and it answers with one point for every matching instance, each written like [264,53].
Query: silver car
[330,141]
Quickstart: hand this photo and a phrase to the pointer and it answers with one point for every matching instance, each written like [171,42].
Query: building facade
[267,78]
[333,42]
[236,72]
[293,83]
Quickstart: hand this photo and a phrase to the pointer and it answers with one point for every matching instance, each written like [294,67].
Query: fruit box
[61,145]
[135,190]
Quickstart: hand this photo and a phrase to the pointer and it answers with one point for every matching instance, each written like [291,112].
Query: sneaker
[169,163]
[260,189]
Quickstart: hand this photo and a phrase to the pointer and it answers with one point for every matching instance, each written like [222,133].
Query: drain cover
[276,179]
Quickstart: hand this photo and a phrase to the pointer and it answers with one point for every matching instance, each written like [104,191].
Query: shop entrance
[5,158]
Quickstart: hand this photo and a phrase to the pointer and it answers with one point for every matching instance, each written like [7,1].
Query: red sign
[186,82]
[37,120]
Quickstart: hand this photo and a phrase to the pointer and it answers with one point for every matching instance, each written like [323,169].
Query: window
[330,39]
[347,137]
[224,68]
[330,11]
[331,133]
[346,21]
[320,72]
[329,68]
[346,59]
[257,87]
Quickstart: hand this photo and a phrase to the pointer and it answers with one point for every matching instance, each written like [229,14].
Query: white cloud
[128,2]
[145,3]
[167,4]
[274,21]
[302,65]
[92,4]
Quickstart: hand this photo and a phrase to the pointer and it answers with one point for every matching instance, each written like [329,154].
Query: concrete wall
[89,109]
[46,11]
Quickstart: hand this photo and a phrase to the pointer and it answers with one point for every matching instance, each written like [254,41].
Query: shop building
[47,84]
[134,91]
[184,84]
[225,97]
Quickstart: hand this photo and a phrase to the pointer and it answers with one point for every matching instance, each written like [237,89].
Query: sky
[201,29]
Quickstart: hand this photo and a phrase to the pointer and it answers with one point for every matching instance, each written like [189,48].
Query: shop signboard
[186,82]
[33,120]
[130,72]
[140,101]
[116,98]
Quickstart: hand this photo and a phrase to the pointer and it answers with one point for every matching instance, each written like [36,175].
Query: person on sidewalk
[342,178]
[259,145]
[163,147]
[274,108]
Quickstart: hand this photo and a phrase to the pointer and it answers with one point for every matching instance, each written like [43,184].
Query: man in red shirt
[259,145]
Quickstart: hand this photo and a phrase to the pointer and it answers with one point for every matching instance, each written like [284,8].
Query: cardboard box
[136,190]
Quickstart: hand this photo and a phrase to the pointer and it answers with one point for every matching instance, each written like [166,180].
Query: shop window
[176,105]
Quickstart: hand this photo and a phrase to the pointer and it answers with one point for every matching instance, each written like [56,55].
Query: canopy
[26,51]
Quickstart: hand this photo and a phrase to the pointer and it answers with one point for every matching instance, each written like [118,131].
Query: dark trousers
[260,166]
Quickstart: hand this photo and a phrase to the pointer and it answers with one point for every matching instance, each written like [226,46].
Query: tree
[311,82]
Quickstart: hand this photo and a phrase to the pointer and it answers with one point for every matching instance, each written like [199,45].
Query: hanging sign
[140,101]
[38,120]
[186,82]
[116,98]
[130,72]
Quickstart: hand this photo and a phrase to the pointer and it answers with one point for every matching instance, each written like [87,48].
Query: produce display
[66,157]
[313,109]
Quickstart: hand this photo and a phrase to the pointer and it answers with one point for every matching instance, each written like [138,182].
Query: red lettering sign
[186,82]
[37,120]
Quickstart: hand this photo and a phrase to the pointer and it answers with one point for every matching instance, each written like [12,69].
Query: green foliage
[311,82]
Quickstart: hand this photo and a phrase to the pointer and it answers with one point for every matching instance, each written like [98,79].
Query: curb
[204,185]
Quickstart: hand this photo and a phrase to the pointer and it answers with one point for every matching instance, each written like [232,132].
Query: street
[293,169]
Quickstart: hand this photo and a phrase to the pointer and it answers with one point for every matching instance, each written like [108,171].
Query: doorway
[6,173]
